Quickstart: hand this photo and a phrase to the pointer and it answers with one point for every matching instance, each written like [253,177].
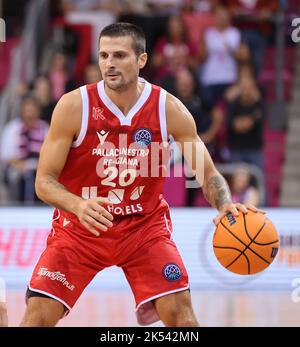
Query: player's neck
[125,99]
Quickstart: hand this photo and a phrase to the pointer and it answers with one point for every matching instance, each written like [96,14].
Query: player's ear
[142,60]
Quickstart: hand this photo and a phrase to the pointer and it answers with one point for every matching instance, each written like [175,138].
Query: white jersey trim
[85,117]
[125,120]
[50,296]
[167,224]
[162,114]
[160,295]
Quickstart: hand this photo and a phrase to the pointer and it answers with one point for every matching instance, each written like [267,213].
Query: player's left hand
[234,209]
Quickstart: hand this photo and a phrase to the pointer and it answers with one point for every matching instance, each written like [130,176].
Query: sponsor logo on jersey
[172,272]
[102,135]
[143,137]
[66,222]
[125,210]
[55,276]
[98,113]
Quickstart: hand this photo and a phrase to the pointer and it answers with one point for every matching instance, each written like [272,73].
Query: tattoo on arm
[54,183]
[56,194]
[217,192]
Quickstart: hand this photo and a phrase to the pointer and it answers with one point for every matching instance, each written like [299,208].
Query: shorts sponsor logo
[56,276]
[143,137]
[172,272]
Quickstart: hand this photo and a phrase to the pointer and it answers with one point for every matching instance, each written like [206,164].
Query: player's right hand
[94,216]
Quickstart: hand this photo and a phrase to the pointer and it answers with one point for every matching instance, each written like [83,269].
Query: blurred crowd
[208,53]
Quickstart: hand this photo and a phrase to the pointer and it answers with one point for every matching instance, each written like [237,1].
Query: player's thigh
[65,268]
[155,269]
[42,311]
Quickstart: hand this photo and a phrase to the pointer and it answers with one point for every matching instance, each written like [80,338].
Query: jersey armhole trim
[84,118]
[162,114]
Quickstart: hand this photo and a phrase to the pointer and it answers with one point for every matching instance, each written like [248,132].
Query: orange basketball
[246,244]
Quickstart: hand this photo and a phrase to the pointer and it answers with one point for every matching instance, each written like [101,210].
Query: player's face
[119,63]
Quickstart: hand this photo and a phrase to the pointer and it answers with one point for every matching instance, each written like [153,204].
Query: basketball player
[106,213]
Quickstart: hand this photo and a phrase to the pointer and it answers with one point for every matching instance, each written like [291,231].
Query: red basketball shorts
[140,245]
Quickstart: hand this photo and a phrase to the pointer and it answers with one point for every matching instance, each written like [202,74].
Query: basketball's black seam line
[236,249]
[245,227]
[265,244]
[246,230]
[248,247]
[235,235]
[244,243]
[228,266]
[241,253]
[255,242]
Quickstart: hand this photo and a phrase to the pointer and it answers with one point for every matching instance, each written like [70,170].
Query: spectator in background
[95,13]
[81,5]
[255,19]
[59,76]
[220,52]
[198,16]
[118,7]
[173,51]
[170,7]
[208,124]
[241,189]
[42,90]
[92,74]
[246,72]
[21,143]
[245,125]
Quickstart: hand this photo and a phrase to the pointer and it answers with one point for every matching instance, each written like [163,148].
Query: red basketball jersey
[122,158]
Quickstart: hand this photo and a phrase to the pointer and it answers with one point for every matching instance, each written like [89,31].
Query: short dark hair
[30,98]
[127,29]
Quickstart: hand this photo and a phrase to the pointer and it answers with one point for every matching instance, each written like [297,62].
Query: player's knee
[37,318]
[186,321]
[181,316]
[3,315]
[42,313]
[184,317]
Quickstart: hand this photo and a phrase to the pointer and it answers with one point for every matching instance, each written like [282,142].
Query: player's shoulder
[68,111]
[173,104]
[71,99]
[179,119]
